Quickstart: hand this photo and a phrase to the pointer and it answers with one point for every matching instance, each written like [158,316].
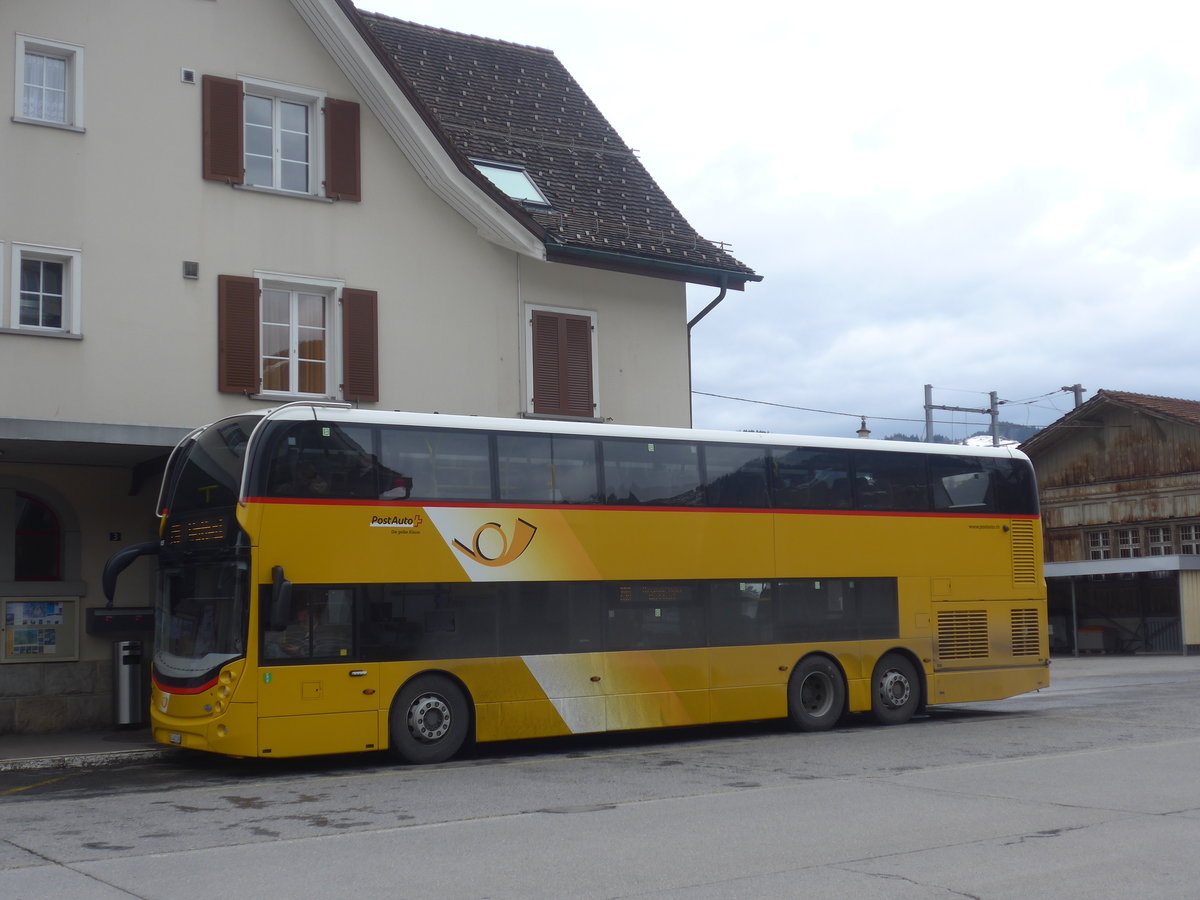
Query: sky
[980,197]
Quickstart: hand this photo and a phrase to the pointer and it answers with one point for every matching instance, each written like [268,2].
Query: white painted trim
[314,99]
[73,54]
[332,289]
[404,124]
[72,314]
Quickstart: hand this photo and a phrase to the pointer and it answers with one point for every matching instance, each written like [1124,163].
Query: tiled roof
[1186,411]
[501,102]
[1170,407]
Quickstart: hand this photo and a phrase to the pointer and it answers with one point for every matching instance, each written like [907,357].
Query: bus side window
[437,464]
[740,613]
[652,473]
[960,484]
[890,481]
[735,476]
[810,478]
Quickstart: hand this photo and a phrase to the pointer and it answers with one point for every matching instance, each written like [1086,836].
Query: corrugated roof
[508,103]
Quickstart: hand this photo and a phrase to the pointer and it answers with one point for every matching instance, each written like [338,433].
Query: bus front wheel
[816,694]
[895,690]
[429,720]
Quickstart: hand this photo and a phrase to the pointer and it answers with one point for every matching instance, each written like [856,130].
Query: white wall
[129,195]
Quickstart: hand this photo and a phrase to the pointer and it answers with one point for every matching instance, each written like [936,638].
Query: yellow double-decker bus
[334,580]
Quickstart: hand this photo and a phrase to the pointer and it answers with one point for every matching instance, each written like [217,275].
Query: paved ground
[1087,789]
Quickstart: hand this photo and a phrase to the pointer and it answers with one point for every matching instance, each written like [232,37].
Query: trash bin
[128,707]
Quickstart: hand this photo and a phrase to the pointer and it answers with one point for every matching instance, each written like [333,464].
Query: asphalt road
[1088,789]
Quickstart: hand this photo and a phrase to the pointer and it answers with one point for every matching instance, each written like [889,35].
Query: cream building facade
[360,255]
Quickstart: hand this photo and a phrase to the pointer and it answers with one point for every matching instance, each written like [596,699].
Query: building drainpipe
[690,325]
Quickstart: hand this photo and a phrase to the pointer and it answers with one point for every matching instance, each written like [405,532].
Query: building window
[1158,540]
[1099,545]
[295,334]
[286,335]
[281,138]
[278,143]
[1189,539]
[1129,543]
[514,181]
[561,359]
[49,82]
[45,289]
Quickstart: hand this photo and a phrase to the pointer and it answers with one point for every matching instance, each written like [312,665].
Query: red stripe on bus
[180,690]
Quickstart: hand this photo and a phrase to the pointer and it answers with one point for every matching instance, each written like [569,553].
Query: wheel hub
[429,718]
[816,695]
[894,689]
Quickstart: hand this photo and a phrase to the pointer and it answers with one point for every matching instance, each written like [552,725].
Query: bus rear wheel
[816,694]
[429,721]
[895,690]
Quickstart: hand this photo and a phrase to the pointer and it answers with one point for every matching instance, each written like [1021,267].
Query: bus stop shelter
[1129,605]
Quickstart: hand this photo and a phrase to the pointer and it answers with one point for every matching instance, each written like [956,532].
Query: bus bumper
[233,732]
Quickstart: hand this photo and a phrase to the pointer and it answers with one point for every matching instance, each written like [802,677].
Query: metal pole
[994,409]
[1077,390]
[1074,621]
[929,413]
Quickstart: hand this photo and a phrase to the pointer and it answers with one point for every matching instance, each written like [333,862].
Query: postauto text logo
[484,544]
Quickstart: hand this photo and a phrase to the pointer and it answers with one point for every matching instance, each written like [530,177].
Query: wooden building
[1119,478]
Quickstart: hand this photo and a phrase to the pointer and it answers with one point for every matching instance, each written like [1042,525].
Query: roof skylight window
[514,181]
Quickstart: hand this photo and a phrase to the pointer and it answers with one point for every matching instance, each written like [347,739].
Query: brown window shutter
[562,365]
[237,335]
[577,366]
[342,170]
[223,160]
[360,346]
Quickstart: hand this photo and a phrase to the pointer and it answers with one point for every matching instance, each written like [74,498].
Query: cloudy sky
[981,197]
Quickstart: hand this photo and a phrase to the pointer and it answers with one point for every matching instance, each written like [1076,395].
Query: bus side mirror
[119,562]
[281,600]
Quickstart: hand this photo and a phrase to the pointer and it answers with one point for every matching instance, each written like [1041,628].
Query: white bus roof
[337,413]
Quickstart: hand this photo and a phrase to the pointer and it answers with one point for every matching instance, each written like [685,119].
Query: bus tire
[895,690]
[816,694]
[429,720]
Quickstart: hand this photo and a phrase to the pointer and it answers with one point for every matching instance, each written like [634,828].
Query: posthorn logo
[491,547]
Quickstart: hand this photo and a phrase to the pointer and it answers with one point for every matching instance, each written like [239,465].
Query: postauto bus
[335,580]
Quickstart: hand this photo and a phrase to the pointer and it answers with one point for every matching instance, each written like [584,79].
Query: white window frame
[507,177]
[1159,540]
[332,289]
[530,309]
[1129,543]
[1099,545]
[1189,539]
[72,54]
[315,101]
[72,263]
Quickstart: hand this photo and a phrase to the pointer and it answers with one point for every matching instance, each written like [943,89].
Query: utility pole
[1077,390]
[993,411]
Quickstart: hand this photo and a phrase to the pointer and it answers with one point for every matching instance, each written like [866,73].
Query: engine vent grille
[1026,635]
[962,634]
[1024,553]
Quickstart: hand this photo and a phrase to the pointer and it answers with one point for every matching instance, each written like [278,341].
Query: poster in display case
[39,631]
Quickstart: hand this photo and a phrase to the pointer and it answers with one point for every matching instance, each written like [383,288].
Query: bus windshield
[201,620]
[209,471]
[204,588]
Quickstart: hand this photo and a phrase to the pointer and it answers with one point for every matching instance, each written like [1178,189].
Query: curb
[82,760]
